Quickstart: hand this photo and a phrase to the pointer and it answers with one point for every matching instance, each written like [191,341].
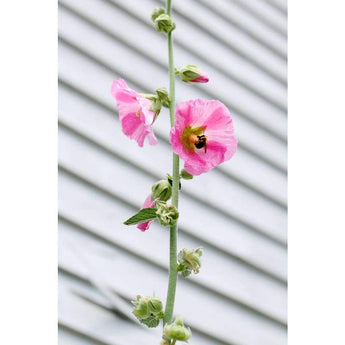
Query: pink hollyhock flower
[203,135]
[148,203]
[135,114]
[202,79]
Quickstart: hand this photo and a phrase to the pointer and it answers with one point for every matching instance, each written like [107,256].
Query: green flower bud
[162,190]
[185,175]
[148,310]
[167,214]
[177,331]
[157,12]
[189,261]
[163,94]
[164,23]
[190,72]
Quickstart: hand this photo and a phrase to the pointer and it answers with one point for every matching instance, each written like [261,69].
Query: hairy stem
[169,307]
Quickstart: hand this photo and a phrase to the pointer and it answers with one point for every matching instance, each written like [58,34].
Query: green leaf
[142,216]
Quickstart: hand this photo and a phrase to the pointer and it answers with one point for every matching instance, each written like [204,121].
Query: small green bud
[162,190]
[157,12]
[177,330]
[189,261]
[164,23]
[167,214]
[148,310]
[162,94]
[185,175]
[190,72]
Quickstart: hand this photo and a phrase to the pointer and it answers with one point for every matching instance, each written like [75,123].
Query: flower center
[194,138]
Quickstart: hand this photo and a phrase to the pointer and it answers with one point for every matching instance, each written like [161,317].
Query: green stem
[169,307]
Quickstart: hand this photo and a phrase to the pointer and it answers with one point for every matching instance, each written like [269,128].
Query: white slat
[249,24]
[264,12]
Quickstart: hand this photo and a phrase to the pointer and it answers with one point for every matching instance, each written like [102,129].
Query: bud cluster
[177,331]
[189,261]
[162,20]
[167,214]
[148,310]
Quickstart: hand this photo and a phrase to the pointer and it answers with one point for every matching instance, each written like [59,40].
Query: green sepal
[144,215]
[159,203]
[185,175]
[150,322]
[157,12]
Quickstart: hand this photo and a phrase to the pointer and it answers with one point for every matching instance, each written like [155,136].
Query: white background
[316,172]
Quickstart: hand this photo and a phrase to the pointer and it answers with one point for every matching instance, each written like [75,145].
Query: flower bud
[177,331]
[164,23]
[148,310]
[193,74]
[189,260]
[185,175]
[162,190]
[167,214]
[163,95]
[157,12]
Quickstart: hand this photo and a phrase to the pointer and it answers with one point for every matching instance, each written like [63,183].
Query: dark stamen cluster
[201,142]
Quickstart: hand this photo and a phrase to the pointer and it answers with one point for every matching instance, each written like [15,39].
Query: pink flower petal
[134,112]
[148,203]
[202,79]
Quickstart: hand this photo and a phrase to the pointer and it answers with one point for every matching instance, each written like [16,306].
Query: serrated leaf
[144,215]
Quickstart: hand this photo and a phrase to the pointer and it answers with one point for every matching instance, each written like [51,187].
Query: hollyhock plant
[135,113]
[203,135]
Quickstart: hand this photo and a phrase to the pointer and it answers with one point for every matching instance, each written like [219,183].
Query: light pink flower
[202,79]
[148,203]
[134,111]
[203,135]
